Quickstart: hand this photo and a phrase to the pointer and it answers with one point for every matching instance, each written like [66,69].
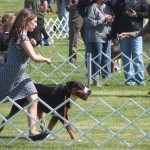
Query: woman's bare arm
[31,53]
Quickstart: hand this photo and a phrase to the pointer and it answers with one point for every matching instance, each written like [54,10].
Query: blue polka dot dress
[14,82]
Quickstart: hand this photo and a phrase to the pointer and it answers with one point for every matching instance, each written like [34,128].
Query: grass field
[113,94]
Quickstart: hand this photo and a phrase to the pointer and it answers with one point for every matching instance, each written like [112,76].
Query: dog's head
[78,89]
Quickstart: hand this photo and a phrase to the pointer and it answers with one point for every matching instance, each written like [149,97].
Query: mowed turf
[112,94]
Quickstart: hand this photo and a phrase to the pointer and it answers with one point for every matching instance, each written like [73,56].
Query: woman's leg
[32,110]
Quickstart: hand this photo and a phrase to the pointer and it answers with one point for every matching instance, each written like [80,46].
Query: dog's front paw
[79,140]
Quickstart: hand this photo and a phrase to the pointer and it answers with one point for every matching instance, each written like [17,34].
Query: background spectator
[100,20]
[83,11]
[75,24]
[59,8]
[33,4]
[6,23]
[64,16]
[129,17]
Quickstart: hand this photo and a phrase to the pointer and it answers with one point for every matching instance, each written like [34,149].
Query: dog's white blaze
[86,90]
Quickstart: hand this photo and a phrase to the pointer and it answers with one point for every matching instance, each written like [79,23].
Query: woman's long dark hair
[21,22]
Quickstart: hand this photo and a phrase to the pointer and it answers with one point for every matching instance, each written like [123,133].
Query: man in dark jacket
[129,15]
[83,12]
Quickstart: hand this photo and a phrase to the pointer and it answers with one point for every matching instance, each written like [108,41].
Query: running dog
[53,97]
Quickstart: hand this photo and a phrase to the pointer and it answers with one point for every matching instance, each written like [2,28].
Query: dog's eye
[82,86]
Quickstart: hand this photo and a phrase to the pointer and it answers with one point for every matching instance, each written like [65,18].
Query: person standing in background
[143,31]
[75,24]
[58,3]
[64,16]
[99,21]
[5,25]
[129,15]
[33,4]
[82,7]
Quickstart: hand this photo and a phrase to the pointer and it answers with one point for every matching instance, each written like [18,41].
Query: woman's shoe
[39,136]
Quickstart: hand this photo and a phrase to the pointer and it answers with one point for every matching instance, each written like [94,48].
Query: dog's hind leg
[69,129]
[53,122]
[71,132]
[13,111]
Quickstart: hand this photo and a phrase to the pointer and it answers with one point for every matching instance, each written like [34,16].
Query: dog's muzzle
[83,94]
[87,91]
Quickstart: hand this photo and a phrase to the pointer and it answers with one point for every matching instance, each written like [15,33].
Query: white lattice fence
[116,124]
[56,28]
[62,70]
[58,74]
[114,75]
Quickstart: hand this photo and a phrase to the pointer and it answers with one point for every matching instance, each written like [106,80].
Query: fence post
[89,68]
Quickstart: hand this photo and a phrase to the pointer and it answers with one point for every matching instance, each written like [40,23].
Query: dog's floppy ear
[71,83]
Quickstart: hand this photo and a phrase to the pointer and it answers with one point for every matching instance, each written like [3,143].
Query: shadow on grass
[11,137]
[120,96]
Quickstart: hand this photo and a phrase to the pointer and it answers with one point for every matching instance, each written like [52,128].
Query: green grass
[112,93]
[115,98]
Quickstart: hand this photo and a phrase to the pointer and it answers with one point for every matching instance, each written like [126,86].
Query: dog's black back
[53,96]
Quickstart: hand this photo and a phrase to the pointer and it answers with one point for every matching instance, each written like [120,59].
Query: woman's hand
[110,19]
[48,61]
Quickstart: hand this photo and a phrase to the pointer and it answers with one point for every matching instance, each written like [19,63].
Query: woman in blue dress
[14,82]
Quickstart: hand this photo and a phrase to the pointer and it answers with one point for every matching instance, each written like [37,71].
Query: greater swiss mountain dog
[54,96]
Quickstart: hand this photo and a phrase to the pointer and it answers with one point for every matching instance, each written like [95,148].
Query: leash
[65,111]
[65,108]
[67,88]
[39,51]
